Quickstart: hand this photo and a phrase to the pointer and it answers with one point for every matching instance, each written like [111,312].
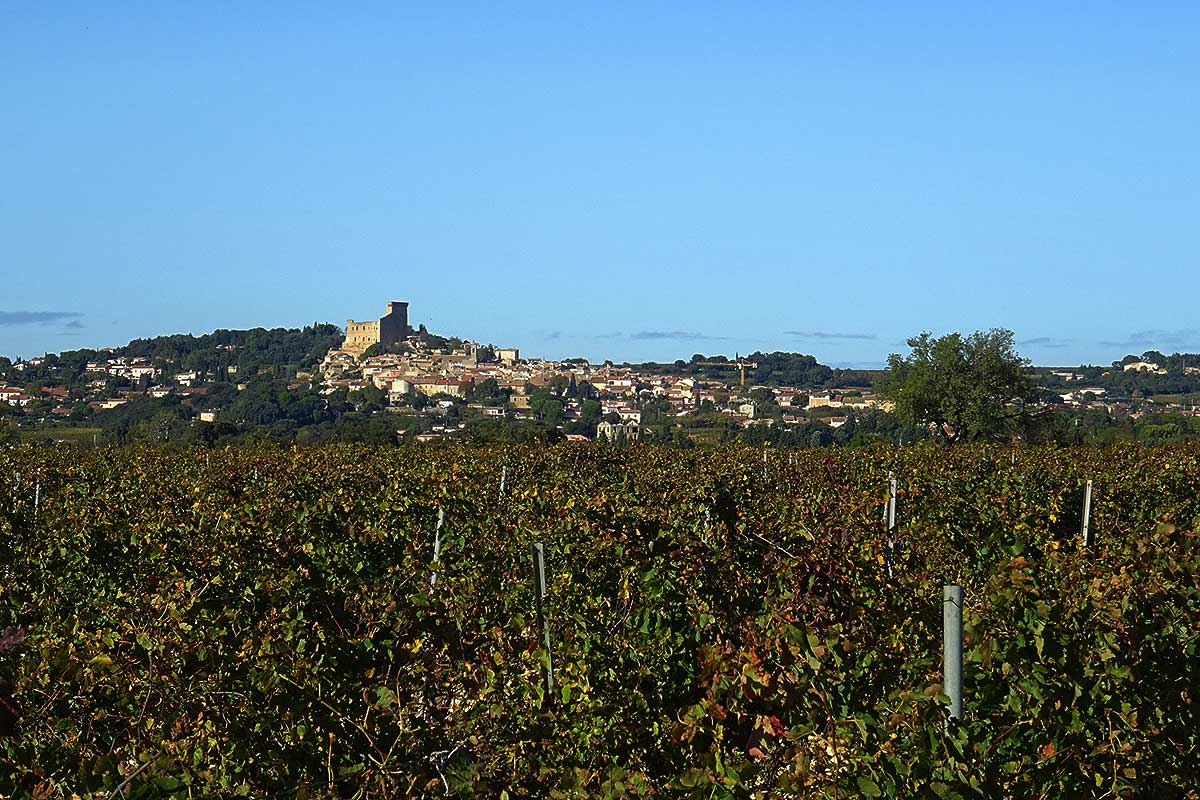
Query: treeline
[797,369]
[250,351]
[1178,377]
[220,354]
[265,411]
[269,412]
[773,369]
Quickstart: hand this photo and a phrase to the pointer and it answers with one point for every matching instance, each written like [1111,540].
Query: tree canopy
[961,388]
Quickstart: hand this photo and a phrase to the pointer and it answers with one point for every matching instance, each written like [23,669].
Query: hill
[275,351]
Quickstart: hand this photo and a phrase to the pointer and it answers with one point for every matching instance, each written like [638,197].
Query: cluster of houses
[623,392]
[151,381]
[447,376]
[1088,396]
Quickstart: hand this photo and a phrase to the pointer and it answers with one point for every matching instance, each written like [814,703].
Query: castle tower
[388,329]
[393,326]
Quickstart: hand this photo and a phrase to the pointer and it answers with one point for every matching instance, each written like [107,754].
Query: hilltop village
[597,400]
[382,380]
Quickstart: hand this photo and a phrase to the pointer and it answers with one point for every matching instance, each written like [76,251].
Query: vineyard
[353,622]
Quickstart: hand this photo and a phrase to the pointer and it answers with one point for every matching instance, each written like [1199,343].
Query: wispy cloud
[1183,337]
[1044,342]
[827,335]
[553,335]
[38,317]
[858,364]
[692,336]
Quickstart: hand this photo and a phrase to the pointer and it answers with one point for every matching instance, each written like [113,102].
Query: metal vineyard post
[891,523]
[1087,515]
[952,685]
[539,592]
[437,546]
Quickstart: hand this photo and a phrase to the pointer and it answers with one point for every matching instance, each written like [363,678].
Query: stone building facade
[391,328]
[618,431]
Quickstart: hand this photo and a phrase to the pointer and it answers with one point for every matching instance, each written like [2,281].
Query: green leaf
[868,787]
[168,784]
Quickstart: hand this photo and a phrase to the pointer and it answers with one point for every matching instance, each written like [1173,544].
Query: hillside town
[621,392]
[436,388]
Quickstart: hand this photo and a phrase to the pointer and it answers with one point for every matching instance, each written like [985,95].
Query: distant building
[454,387]
[391,328]
[400,386]
[1145,366]
[508,355]
[824,400]
[13,396]
[488,411]
[619,431]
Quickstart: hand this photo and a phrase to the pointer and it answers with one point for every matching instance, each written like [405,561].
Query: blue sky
[615,180]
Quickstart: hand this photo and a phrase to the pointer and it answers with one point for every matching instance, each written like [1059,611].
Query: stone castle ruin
[391,328]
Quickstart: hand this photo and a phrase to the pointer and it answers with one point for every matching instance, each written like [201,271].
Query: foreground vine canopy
[265,623]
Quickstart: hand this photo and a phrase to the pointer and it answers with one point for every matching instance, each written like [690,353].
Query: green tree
[546,407]
[369,398]
[972,388]
[166,426]
[489,393]
[551,413]
[589,411]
